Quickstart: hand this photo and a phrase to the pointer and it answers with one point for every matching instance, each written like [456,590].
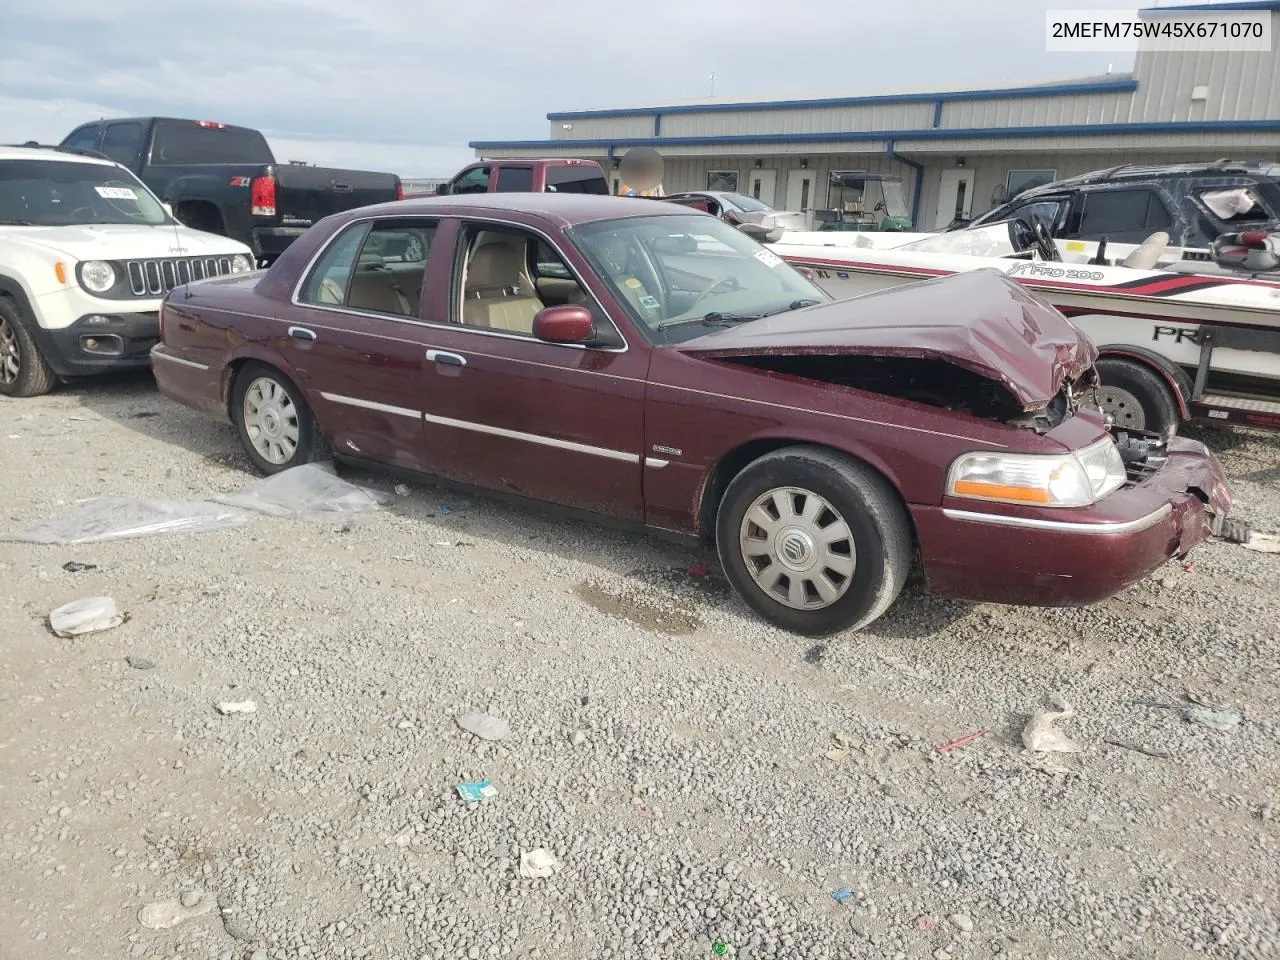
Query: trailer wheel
[1134,396]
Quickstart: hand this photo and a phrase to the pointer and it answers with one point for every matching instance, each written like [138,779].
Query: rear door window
[1122,216]
[123,142]
[515,179]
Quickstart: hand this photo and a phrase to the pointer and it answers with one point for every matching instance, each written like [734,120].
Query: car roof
[563,209]
[1132,172]
[57,154]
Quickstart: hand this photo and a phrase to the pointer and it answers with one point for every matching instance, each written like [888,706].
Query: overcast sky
[397,85]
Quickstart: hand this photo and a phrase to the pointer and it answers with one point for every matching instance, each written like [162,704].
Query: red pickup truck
[529,176]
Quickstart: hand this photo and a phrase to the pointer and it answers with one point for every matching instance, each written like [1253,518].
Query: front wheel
[814,541]
[273,419]
[24,372]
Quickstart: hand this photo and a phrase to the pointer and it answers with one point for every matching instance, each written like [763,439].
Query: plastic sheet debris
[485,726]
[123,518]
[445,509]
[1222,719]
[169,913]
[969,738]
[227,707]
[538,863]
[476,791]
[402,490]
[845,743]
[86,615]
[1040,734]
[75,566]
[1262,543]
[842,895]
[309,492]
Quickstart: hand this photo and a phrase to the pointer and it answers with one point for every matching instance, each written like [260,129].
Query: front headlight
[1045,480]
[98,276]
[241,264]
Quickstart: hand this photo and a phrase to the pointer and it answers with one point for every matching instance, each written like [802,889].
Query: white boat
[1177,339]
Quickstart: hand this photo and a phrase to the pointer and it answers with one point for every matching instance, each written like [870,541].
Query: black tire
[1157,407]
[202,217]
[879,527]
[33,375]
[308,445]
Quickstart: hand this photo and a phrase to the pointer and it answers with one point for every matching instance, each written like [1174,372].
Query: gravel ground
[668,747]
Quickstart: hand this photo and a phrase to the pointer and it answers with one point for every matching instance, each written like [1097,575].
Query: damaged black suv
[1193,202]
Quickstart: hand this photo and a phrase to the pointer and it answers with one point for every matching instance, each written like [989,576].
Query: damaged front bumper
[977,551]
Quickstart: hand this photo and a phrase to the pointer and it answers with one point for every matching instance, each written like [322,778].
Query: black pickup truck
[223,179]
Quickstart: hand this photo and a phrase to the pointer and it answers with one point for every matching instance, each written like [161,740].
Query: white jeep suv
[87,253]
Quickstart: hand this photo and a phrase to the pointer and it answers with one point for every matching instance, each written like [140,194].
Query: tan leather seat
[496,293]
[383,291]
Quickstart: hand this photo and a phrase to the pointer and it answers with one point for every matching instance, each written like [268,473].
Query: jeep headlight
[97,276]
[1074,479]
[241,264]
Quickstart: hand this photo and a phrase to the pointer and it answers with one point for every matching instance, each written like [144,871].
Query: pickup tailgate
[307,194]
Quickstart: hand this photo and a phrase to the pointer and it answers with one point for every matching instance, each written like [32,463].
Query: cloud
[390,82]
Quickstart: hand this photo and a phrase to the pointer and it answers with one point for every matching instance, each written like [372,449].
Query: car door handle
[302,333]
[443,356]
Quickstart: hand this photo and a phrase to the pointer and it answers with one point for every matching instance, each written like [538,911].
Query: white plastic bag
[312,492]
[122,518]
[86,615]
[1041,734]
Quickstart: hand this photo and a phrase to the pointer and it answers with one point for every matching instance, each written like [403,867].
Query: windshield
[56,193]
[984,241]
[744,203]
[680,275]
[895,201]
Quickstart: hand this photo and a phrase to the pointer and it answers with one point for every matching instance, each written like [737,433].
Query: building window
[725,180]
[1020,180]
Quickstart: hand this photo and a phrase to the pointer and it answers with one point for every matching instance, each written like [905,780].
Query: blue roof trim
[1240,5]
[1047,90]
[929,133]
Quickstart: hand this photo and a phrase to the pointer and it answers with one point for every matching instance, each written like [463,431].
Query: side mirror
[442,190]
[564,323]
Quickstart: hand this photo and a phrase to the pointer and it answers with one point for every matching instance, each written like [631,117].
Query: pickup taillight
[263,197]
[399,190]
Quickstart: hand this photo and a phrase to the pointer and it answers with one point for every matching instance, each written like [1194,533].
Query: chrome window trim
[450,325]
[1063,526]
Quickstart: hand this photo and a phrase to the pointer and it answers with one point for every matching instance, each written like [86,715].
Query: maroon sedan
[652,364]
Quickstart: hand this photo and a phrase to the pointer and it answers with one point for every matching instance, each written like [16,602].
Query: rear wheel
[1135,397]
[814,541]
[24,372]
[275,424]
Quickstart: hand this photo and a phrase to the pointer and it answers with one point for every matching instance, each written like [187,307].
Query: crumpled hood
[981,321]
[127,241]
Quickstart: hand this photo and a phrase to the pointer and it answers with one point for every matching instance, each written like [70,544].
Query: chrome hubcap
[1121,407]
[10,359]
[798,548]
[271,420]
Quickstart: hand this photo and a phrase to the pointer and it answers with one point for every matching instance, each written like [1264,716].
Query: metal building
[958,151]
